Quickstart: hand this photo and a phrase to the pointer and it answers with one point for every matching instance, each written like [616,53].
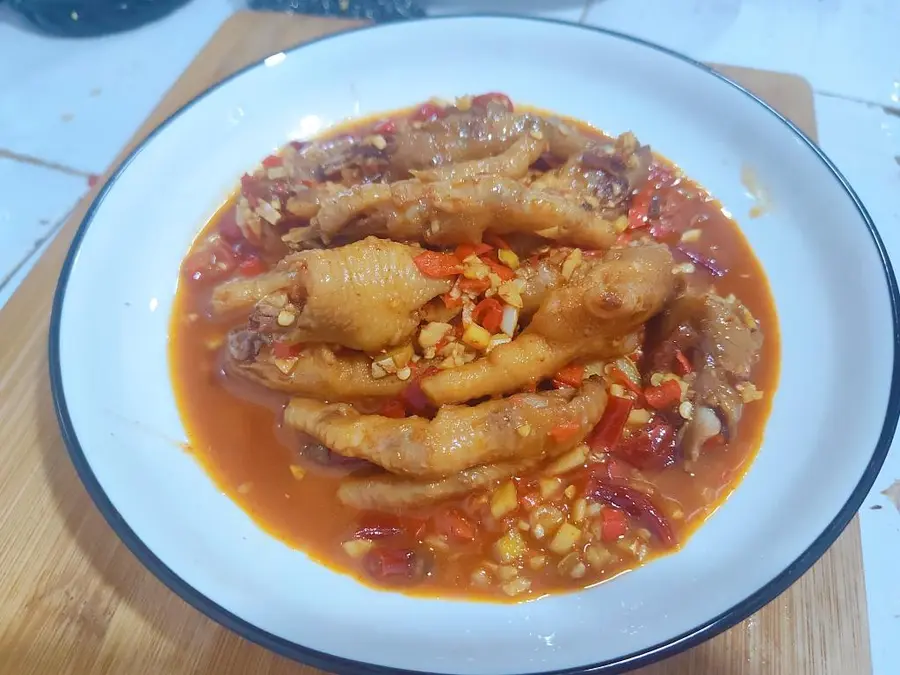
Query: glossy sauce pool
[234,431]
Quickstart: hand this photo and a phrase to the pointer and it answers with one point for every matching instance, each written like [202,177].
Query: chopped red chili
[565,431]
[392,408]
[489,314]
[608,431]
[635,504]
[428,112]
[482,100]
[437,265]
[570,376]
[385,127]
[454,525]
[476,286]
[252,266]
[651,447]
[463,251]
[663,395]
[613,524]
[283,350]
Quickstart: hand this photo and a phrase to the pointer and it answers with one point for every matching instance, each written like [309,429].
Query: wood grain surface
[74,600]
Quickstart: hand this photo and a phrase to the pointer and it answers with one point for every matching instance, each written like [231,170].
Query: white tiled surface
[33,203]
[841,46]
[84,99]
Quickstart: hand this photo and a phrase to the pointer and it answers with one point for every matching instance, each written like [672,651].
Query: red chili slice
[663,395]
[229,229]
[613,524]
[385,127]
[454,525]
[272,161]
[482,100]
[653,447]
[609,429]
[413,396]
[489,314]
[428,112]
[212,263]
[252,266]
[283,350]
[635,504]
[392,408]
[395,566]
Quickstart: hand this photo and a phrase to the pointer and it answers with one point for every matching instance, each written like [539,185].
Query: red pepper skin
[609,429]
[653,447]
[394,566]
[635,504]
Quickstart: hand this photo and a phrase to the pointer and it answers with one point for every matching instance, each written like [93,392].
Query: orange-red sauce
[234,433]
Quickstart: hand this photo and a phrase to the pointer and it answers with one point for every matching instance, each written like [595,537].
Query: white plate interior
[828,413]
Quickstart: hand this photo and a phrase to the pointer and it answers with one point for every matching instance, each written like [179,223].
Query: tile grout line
[37,161]
[889,109]
[585,10]
[57,226]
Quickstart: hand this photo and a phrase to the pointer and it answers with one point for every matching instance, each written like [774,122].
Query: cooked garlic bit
[510,547]
[286,318]
[749,392]
[544,519]
[497,340]
[474,268]
[377,141]
[516,586]
[480,578]
[511,292]
[383,368]
[684,268]
[504,500]
[267,212]
[638,417]
[571,263]
[476,337]
[579,509]
[598,556]
[565,539]
[357,548]
[549,487]
[537,562]
[507,572]
[432,333]
[571,460]
[571,566]
[508,258]
[510,320]
[285,365]
[401,356]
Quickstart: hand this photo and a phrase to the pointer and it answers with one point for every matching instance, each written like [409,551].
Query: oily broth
[235,431]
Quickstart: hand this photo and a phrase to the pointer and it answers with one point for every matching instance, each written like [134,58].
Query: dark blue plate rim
[332,663]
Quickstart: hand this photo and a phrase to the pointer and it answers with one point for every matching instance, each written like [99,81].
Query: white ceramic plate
[834,413]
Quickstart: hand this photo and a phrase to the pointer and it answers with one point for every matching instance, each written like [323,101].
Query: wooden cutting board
[74,600]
